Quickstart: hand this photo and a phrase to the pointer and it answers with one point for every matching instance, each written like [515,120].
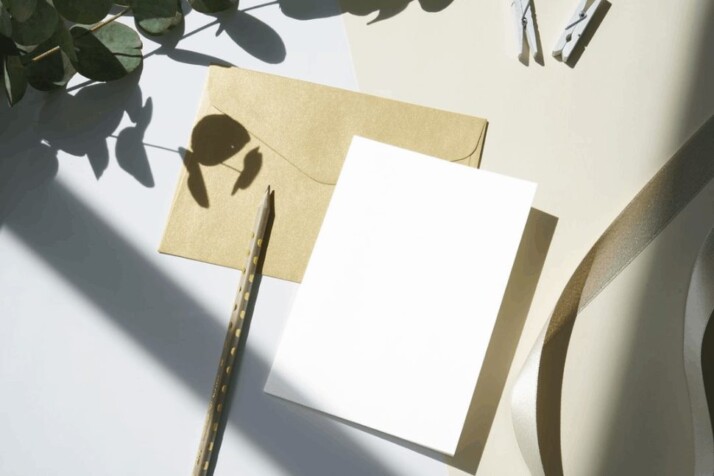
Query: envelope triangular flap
[255,129]
[312,125]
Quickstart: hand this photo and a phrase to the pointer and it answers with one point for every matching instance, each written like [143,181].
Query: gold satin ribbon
[536,397]
[699,355]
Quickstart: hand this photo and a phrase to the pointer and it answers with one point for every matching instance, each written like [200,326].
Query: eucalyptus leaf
[51,72]
[21,10]
[38,28]
[64,40]
[7,47]
[14,79]
[156,17]
[55,70]
[212,6]
[107,54]
[5,23]
[83,11]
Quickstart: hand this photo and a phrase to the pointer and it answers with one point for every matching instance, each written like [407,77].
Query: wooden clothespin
[575,28]
[524,22]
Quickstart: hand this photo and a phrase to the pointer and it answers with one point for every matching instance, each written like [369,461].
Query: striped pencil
[228,362]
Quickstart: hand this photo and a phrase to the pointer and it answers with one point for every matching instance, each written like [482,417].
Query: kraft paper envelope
[255,129]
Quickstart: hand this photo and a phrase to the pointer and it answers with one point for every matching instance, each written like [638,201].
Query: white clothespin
[575,28]
[525,27]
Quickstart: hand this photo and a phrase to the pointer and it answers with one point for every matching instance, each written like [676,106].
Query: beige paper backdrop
[591,136]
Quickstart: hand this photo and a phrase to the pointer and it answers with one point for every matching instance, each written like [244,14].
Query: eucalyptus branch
[110,55]
[96,27]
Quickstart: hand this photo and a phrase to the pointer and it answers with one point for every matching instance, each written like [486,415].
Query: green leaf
[212,6]
[21,10]
[7,47]
[107,54]
[51,72]
[156,17]
[63,39]
[55,70]
[14,79]
[5,23]
[83,11]
[38,28]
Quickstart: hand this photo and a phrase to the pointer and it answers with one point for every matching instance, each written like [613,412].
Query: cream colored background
[590,136]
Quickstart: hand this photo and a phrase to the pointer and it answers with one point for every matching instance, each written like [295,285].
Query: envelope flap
[311,126]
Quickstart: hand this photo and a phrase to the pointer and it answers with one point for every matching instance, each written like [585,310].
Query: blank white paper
[392,320]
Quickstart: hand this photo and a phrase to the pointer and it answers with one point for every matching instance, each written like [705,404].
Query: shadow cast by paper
[516,303]
[520,290]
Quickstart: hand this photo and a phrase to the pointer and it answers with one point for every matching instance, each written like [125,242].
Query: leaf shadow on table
[254,36]
[83,120]
[144,301]
[81,124]
[385,9]
[215,139]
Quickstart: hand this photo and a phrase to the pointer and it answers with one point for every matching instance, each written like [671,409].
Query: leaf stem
[96,27]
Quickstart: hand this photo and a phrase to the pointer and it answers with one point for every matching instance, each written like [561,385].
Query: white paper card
[390,325]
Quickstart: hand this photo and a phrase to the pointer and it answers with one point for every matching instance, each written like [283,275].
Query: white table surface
[107,348]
